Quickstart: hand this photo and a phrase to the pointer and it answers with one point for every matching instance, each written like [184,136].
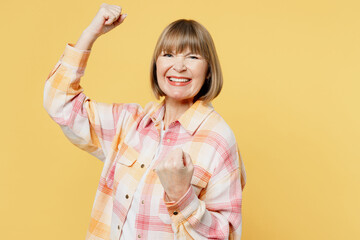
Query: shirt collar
[190,119]
[157,114]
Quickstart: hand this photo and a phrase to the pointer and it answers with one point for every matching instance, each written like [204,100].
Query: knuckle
[103,10]
[172,157]
[177,166]
[164,164]
[172,165]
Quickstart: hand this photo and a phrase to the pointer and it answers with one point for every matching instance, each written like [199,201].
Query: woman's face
[181,76]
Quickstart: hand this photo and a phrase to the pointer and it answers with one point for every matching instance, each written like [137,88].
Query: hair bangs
[180,37]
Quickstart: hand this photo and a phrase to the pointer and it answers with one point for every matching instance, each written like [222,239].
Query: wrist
[173,197]
[176,196]
[86,40]
[167,199]
[90,34]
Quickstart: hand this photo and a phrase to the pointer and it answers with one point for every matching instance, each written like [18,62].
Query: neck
[174,109]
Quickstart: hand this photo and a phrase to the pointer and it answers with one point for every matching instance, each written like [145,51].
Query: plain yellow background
[291,96]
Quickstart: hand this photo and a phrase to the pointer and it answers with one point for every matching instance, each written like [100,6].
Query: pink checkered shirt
[126,137]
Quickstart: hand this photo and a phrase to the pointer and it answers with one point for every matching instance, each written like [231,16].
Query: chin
[180,98]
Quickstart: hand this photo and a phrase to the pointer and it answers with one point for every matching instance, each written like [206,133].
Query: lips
[178,81]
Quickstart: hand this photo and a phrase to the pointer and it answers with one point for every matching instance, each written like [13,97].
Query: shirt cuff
[184,207]
[75,57]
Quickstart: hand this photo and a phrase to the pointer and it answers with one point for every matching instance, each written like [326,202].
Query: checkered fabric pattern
[126,137]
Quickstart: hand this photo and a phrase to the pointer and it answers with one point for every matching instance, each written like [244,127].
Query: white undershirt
[129,231]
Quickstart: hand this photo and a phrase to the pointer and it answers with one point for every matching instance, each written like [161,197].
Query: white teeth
[179,79]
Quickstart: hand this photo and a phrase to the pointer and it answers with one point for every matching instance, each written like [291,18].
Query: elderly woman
[172,170]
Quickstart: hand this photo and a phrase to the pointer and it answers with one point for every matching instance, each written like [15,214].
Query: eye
[193,57]
[167,54]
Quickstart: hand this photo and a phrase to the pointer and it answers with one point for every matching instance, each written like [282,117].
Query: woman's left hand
[175,173]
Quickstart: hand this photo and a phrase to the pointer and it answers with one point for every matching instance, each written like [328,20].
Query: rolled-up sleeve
[89,125]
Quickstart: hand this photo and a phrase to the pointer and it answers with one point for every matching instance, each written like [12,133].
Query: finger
[115,12]
[187,160]
[177,158]
[120,19]
[110,18]
[184,159]
[117,8]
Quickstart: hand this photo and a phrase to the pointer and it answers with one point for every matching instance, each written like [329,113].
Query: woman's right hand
[107,18]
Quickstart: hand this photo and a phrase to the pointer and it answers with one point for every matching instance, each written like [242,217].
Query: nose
[179,64]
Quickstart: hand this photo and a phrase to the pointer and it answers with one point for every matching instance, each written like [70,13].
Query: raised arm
[89,125]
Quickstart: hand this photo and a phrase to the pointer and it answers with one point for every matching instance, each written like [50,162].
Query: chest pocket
[126,156]
[128,172]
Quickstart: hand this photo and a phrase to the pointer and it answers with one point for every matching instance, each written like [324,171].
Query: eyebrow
[189,53]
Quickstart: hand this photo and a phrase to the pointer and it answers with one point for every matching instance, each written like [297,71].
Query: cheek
[159,72]
[201,74]
[200,71]
[161,67]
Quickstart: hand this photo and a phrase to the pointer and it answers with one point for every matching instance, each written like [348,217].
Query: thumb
[187,160]
[120,20]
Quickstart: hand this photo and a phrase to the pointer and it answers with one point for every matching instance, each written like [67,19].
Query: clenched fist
[107,18]
[175,173]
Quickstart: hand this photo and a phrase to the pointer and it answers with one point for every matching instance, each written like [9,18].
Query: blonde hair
[179,35]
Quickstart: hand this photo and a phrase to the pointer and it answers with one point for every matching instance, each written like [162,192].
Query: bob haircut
[178,36]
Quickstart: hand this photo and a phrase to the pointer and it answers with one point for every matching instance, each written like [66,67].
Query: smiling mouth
[180,80]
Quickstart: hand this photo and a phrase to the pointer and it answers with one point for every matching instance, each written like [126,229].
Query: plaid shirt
[126,137]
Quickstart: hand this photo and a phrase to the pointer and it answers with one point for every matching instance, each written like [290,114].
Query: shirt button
[139,236]
[142,165]
[167,140]
[175,213]
[142,202]
[119,227]
[126,196]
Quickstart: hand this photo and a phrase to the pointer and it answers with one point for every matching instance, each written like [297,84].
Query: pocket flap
[127,155]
